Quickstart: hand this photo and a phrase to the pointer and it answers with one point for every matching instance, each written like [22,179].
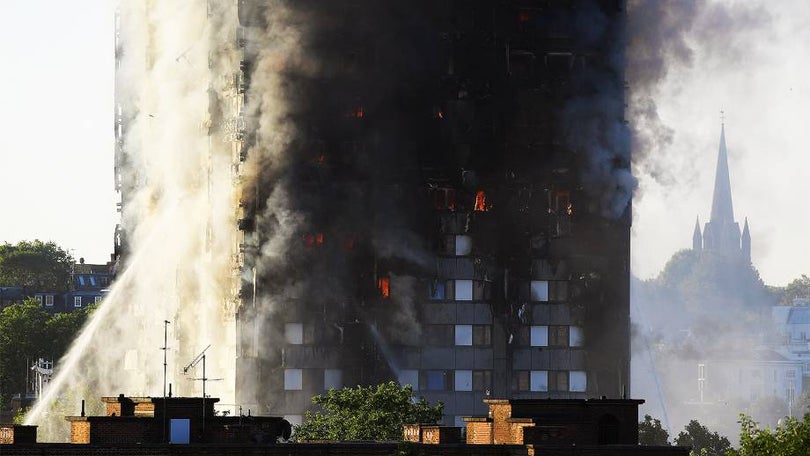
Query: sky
[755,69]
[56,132]
[56,124]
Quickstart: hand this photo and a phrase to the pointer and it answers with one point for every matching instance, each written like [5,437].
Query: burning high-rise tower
[440,194]
[350,191]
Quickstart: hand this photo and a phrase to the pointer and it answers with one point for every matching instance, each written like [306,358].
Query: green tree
[22,339]
[62,329]
[792,438]
[768,410]
[702,441]
[366,413]
[650,432]
[798,288]
[41,266]
[26,333]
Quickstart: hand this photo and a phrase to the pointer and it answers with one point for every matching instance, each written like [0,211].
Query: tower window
[436,380]
[539,290]
[464,335]
[578,381]
[464,290]
[294,333]
[332,379]
[576,337]
[557,381]
[538,381]
[463,380]
[293,379]
[409,377]
[384,285]
[539,336]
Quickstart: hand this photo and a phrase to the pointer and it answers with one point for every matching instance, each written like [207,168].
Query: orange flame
[383,284]
[481,201]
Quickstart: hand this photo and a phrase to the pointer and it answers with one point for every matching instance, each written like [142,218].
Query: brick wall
[79,432]
[113,408]
[6,435]
[121,431]
[319,449]
[479,432]
[412,433]
[516,432]
[501,429]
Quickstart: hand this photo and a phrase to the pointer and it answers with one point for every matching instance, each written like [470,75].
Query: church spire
[697,238]
[746,242]
[722,211]
[722,234]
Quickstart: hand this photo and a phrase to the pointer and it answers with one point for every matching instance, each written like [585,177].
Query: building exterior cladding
[458,238]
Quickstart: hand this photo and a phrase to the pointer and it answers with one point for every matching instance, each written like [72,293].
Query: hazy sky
[56,124]
[56,133]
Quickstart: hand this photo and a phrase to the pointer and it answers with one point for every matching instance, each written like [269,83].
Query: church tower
[721,234]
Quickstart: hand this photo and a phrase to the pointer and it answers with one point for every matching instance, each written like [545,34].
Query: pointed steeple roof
[722,211]
[746,232]
[697,238]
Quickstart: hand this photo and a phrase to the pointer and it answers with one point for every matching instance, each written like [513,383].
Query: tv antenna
[165,349]
[191,365]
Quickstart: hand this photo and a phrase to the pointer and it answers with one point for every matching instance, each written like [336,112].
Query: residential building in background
[89,283]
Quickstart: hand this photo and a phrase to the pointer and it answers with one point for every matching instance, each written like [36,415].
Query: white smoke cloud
[179,215]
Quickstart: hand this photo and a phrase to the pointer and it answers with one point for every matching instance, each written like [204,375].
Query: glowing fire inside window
[562,203]
[311,240]
[358,112]
[481,201]
[384,284]
[445,198]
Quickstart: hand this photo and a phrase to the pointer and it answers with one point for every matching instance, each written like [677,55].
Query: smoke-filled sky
[56,141]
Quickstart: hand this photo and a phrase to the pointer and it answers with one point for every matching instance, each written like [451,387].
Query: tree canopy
[366,413]
[26,333]
[791,438]
[706,276]
[37,265]
[702,441]
[798,288]
[650,432]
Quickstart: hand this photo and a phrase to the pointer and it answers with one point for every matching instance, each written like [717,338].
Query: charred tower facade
[448,203]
